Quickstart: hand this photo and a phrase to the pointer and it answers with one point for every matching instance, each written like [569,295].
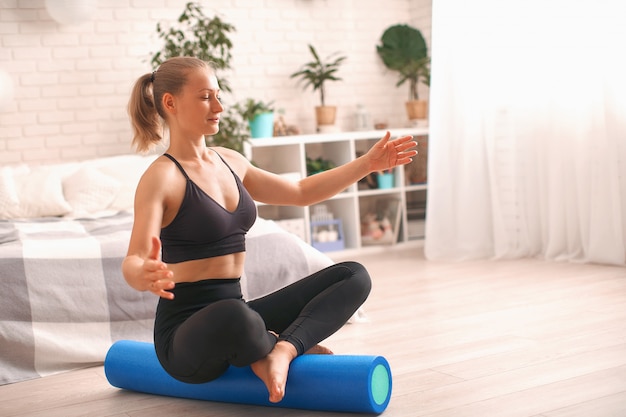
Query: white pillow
[8,193]
[40,194]
[127,169]
[89,191]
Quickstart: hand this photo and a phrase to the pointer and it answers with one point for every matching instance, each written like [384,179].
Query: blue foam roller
[347,383]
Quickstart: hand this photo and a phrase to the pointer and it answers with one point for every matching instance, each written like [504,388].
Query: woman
[193,206]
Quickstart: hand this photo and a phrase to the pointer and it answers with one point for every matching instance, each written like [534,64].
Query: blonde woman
[193,207]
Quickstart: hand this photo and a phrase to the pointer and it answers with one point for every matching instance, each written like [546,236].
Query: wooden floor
[474,339]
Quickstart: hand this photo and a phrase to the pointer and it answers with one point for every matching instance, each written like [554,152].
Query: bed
[65,300]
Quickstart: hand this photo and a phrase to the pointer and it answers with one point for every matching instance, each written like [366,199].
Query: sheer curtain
[527,144]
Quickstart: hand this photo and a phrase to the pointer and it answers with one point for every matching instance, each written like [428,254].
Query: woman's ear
[169,103]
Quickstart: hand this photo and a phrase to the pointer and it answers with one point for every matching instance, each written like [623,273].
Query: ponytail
[146,122]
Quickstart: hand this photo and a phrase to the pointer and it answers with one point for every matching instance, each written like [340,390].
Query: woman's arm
[273,189]
[142,267]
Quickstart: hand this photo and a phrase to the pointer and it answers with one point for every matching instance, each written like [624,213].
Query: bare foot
[273,369]
[319,350]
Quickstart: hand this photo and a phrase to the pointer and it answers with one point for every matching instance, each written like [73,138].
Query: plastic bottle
[361,118]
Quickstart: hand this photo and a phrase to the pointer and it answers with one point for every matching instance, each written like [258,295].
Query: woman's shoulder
[160,171]
[162,164]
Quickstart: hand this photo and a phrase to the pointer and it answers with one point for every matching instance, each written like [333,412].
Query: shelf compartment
[380,219]
[416,229]
[327,235]
[416,213]
[283,159]
[342,209]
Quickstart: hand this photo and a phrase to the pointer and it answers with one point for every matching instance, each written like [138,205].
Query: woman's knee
[240,321]
[239,335]
[249,338]
[359,278]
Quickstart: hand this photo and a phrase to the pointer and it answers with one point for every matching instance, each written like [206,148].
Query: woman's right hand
[156,272]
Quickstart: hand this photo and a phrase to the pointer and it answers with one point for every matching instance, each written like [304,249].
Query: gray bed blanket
[65,301]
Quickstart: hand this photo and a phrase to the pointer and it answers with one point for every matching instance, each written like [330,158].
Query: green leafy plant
[234,131]
[207,39]
[314,166]
[317,72]
[199,36]
[251,108]
[403,49]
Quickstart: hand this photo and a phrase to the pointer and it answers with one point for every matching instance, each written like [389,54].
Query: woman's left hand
[386,154]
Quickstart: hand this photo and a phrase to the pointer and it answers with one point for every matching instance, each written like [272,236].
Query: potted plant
[205,38]
[403,49]
[315,73]
[317,165]
[260,117]
[385,179]
[199,36]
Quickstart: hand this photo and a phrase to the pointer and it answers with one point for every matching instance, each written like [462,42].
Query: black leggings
[208,326]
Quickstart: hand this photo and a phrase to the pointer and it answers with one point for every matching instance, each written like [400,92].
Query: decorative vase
[325,115]
[262,126]
[417,109]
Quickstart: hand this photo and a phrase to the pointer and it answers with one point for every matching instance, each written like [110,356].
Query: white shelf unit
[287,155]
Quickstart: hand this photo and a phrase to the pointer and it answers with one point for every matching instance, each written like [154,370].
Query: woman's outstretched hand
[386,154]
[157,273]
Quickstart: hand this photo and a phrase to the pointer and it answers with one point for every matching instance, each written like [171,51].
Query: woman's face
[198,105]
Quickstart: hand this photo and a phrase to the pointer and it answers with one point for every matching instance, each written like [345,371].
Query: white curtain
[527,149]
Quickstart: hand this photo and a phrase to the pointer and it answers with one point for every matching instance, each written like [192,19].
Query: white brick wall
[72,82]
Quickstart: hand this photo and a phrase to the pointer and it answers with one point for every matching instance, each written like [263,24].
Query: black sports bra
[203,228]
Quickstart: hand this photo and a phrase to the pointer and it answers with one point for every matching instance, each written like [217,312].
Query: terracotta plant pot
[417,109]
[325,115]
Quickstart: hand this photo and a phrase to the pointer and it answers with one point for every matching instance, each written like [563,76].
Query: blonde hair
[145,108]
